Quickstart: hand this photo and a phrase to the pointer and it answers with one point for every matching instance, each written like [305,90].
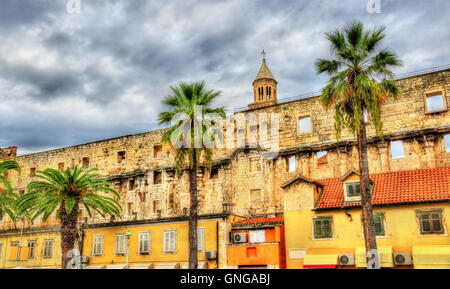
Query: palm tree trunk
[68,233]
[193,258]
[366,196]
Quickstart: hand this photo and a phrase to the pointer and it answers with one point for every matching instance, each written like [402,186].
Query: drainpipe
[20,243]
[217,245]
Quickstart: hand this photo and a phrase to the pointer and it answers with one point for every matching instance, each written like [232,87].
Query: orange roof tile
[414,186]
[260,221]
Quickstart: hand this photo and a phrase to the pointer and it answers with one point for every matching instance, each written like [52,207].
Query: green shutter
[379,226]
[425,222]
[436,221]
[317,229]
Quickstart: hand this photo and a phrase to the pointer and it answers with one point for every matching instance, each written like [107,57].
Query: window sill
[436,111]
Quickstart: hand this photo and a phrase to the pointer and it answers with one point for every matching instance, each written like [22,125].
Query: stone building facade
[243,183]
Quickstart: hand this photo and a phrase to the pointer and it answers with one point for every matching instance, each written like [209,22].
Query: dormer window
[352,191]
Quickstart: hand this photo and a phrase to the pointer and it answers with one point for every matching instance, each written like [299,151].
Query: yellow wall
[156,247]
[38,261]
[401,226]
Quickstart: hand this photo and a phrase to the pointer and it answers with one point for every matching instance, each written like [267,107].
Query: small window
[155,206]
[98,245]
[144,243]
[304,124]
[397,150]
[21,192]
[85,163]
[214,173]
[431,222]
[322,228]
[14,244]
[447,142]
[32,172]
[353,189]
[435,102]
[257,236]
[290,164]
[201,239]
[378,219]
[132,184]
[48,248]
[157,178]
[170,241]
[365,115]
[31,249]
[61,166]
[130,208]
[121,244]
[121,157]
[157,151]
[254,164]
[322,158]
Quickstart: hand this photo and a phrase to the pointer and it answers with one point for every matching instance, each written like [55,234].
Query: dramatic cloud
[72,78]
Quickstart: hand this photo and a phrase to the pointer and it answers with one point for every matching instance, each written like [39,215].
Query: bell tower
[264,86]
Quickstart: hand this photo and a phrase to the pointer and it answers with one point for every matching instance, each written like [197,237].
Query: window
[257,236]
[435,102]
[397,150]
[157,151]
[353,189]
[170,241]
[290,161]
[254,164]
[31,249]
[322,228]
[32,172]
[214,173]
[86,163]
[201,239]
[378,219]
[121,244]
[447,142]
[304,124]
[121,157]
[144,242]
[48,248]
[155,206]
[61,166]
[366,118]
[157,178]
[132,184]
[431,222]
[21,192]
[322,158]
[130,208]
[98,245]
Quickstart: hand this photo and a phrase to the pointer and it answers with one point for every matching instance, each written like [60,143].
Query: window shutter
[317,229]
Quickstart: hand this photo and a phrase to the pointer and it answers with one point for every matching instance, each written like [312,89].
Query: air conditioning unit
[402,259]
[84,259]
[210,255]
[346,259]
[240,238]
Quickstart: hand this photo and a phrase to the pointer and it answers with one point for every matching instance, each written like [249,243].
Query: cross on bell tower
[264,86]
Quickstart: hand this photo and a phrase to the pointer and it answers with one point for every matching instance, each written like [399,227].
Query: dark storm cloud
[73,78]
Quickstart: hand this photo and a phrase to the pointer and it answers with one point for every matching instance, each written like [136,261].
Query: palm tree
[360,80]
[64,192]
[187,106]
[7,195]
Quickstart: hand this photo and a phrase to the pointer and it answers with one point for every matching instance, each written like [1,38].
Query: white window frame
[257,236]
[31,249]
[120,247]
[170,241]
[403,150]
[48,246]
[201,239]
[142,239]
[98,240]
[300,131]
[354,198]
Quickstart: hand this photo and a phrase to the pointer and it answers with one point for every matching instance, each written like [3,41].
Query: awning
[431,257]
[316,261]
[173,265]
[117,266]
[385,253]
[95,267]
[142,266]
[200,265]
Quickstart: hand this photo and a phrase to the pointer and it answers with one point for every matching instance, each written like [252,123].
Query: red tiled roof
[414,186]
[260,221]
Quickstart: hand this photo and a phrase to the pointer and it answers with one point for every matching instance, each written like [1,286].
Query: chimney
[9,152]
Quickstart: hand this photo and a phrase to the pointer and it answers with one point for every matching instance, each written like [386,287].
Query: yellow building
[411,209]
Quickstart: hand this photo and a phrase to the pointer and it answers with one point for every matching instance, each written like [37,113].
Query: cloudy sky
[69,78]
